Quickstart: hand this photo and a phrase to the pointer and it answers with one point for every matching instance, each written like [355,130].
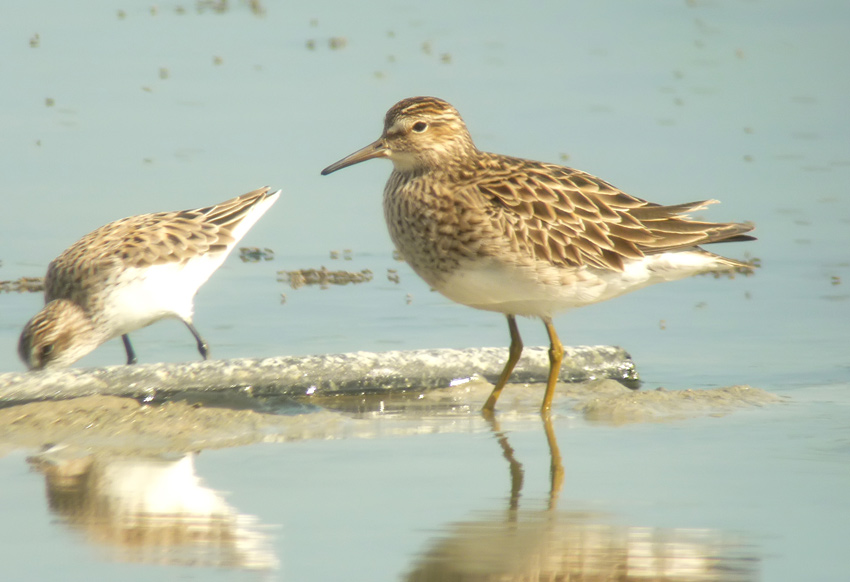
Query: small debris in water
[337,42]
[218,6]
[255,254]
[23,285]
[749,268]
[323,277]
[257,7]
[392,276]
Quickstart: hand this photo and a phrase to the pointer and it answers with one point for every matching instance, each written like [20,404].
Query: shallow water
[115,110]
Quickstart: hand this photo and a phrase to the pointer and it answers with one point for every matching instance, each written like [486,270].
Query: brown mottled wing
[569,217]
[145,240]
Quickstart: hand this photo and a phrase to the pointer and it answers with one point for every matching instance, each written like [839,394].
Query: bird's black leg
[128,347]
[203,347]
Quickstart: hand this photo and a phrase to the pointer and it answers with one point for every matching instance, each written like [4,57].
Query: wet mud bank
[124,425]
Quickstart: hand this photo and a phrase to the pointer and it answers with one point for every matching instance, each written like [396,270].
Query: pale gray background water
[744,101]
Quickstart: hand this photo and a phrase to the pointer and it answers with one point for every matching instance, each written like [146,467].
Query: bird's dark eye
[420,126]
[46,351]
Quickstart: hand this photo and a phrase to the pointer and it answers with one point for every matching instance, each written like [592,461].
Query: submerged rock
[329,373]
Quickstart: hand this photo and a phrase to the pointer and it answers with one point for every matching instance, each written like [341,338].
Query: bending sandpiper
[522,237]
[131,273]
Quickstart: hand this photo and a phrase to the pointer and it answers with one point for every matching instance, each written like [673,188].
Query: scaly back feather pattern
[146,240]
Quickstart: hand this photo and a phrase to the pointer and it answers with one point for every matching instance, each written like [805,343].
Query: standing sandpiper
[522,237]
[132,272]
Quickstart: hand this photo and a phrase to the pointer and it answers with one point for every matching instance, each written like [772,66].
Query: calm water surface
[116,108]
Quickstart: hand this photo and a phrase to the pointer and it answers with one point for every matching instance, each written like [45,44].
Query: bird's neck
[452,168]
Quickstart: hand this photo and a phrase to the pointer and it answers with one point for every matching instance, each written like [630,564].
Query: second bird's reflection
[152,510]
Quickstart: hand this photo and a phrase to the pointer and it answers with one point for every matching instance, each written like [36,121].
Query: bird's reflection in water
[153,511]
[553,544]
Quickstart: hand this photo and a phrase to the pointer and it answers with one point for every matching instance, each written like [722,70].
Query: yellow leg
[556,467]
[556,354]
[513,357]
[517,472]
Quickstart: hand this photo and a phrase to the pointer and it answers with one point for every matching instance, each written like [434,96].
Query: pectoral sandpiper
[522,237]
[132,272]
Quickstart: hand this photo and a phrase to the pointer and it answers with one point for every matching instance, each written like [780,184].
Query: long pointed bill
[376,149]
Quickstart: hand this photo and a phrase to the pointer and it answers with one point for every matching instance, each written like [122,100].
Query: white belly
[142,296]
[543,291]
